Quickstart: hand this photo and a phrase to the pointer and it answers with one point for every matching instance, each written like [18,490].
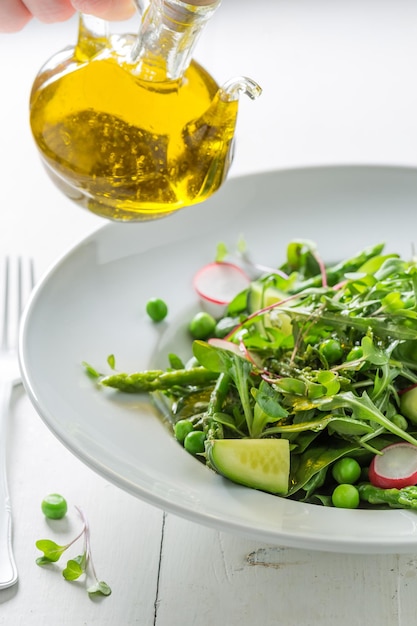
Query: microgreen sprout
[90,370]
[78,566]
[221,252]
[111,360]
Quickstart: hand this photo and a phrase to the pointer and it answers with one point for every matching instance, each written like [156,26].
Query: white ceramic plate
[92,302]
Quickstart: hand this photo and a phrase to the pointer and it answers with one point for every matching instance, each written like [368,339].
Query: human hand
[15,14]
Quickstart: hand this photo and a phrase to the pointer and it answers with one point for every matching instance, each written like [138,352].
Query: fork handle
[8,569]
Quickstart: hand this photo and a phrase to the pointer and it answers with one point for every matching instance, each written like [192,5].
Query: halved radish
[218,283]
[227,345]
[395,468]
[239,349]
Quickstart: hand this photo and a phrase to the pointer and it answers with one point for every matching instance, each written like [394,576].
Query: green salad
[308,375]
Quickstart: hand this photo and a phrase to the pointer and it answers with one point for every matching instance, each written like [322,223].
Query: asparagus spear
[214,429]
[405,498]
[152,380]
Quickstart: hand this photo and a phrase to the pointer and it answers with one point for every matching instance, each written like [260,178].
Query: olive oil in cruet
[132,128]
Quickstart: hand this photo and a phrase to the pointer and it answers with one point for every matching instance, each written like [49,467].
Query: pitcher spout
[232,89]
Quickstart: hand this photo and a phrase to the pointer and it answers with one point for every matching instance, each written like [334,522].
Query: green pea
[346,470]
[345,497]
[156,309]
[408,405]
[202,325]
[331,350]
[181,430]
[194,442]
[54,506]
[400,421]
[355,353]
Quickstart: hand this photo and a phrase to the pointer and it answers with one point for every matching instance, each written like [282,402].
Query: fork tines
[17,281]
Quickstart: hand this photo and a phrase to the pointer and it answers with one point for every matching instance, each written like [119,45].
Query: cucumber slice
[259,297]
[257,463]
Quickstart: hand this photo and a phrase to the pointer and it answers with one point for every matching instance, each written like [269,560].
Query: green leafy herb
[52,552]
[75,568]
[319,355]
[111,361]
[90,370]
[221,252]
[99,588]
[81,565]
[175,362]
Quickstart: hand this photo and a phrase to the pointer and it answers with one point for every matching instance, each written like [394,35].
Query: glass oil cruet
[131,127]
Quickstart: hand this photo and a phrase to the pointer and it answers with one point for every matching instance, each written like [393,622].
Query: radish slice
[218,283]
[395,468]
[227,345]
[240,350]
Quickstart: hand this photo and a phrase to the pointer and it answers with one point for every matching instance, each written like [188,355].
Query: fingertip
[50,11]
[120,11]
[111,10]
[16,26]
[52,17]
[14,18]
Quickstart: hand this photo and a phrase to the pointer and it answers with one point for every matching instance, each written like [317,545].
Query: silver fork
[18,281]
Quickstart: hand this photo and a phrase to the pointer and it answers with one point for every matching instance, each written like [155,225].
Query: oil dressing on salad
[306,383]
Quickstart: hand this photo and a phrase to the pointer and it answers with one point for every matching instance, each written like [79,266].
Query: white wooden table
[339,79]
